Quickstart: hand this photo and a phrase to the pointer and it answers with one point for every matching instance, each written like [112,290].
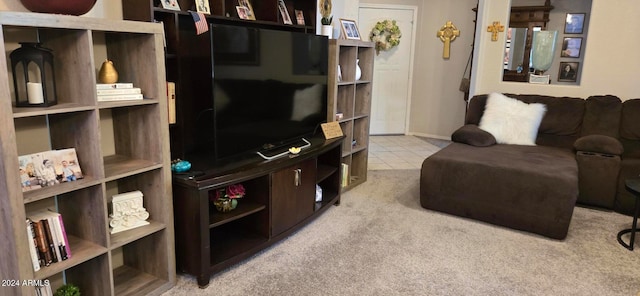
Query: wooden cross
[447,34]
[494,29]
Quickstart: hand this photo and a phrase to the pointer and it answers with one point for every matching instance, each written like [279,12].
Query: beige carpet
[379,241]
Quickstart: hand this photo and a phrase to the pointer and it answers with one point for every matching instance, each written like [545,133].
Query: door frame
[412,48]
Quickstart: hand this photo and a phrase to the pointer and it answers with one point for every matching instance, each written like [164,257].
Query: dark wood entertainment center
[280,193]
[280,198]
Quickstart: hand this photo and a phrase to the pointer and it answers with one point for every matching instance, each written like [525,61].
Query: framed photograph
[299,17]
[349,29]
[48,168]
[568,71]
[203,6]
[574,23]
[170,4]
[571,47]
[247,11]
[284,13]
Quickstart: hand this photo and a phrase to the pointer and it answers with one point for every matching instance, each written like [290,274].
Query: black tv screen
[269,88]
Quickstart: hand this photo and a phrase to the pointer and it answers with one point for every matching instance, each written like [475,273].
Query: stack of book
[108,92]
[49,243]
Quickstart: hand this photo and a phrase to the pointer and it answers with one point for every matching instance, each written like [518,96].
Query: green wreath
[386,34]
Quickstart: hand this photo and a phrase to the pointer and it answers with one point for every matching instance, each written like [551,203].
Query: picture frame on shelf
[48,168]
[574,23]
[170,4]
[349,29]
[286,19]
[571,47]
[568,71]
[243,12]
[203,6]
[248,11]
[299,17]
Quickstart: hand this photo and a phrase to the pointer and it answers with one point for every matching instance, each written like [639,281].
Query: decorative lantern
[33,79]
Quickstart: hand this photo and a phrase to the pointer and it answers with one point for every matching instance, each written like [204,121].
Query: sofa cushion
[471,134]
[531,188]
[602,116]
[630,129]
[512,121]
[599,144]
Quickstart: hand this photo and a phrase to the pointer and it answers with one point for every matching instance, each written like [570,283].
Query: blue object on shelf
[180,166]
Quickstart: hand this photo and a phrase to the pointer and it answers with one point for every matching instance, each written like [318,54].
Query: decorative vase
[225,204]
[108,73]
[72,7]
[358,71]
[327,30]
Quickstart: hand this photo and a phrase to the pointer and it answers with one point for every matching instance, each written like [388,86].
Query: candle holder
[33,78]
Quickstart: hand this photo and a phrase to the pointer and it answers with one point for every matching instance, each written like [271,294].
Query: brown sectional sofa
[584,151]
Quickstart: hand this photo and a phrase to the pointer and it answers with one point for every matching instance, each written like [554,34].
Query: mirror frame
[527,17]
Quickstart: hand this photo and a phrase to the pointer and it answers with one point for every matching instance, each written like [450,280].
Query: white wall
[610,53]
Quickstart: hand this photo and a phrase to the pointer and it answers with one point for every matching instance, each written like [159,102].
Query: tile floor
[400,152]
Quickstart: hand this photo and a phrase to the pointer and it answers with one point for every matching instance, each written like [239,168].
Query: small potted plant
[67,290]
[226,199]
[325,11]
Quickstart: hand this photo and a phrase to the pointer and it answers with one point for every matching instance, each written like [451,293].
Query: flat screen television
[269,91]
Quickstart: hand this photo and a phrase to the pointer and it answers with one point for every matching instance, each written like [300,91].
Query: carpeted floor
[379,241]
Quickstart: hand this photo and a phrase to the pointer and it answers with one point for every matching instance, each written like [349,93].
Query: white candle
[34,93]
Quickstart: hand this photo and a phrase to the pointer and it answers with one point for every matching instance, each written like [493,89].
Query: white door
[392,69]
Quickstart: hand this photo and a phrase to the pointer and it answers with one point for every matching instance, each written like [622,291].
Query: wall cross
[494,29]
[447,34]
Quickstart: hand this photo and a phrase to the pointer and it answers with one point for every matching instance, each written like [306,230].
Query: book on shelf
[41,243]
[171,101]
[51,241]
[31,237]
[102,86]
[123,97]
[44,290]
[119,91]
[345,175]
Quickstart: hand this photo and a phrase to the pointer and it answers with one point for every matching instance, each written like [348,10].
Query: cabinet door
[292,195]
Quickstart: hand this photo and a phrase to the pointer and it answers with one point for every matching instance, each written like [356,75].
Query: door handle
[297,180]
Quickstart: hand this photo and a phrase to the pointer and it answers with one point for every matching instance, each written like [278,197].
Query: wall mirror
[523,21]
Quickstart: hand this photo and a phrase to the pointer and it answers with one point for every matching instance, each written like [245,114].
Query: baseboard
[429,136]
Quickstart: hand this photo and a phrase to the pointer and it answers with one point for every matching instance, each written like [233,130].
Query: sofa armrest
[472,135]
[599,144]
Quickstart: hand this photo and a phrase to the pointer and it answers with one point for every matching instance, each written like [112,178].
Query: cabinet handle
[297,180]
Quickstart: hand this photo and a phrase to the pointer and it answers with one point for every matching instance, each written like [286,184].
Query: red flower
[235,191]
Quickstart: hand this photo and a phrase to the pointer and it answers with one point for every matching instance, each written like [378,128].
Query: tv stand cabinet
[280,198]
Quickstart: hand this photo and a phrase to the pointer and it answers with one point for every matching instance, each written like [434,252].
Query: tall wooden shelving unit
[121,146]
[352,98]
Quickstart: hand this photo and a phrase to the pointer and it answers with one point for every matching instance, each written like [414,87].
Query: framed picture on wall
[571,47]
[349,29]
[568,71]
[574,23]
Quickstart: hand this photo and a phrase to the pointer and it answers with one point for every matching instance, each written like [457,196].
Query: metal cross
[494,29]
[447,34]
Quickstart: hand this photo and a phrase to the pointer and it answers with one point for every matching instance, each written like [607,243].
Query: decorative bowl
[72,7]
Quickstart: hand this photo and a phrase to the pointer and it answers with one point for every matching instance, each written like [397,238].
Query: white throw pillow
[512,121]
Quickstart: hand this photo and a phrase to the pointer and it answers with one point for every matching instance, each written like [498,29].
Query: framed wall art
[571,47]
[568,71]
[574,23]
